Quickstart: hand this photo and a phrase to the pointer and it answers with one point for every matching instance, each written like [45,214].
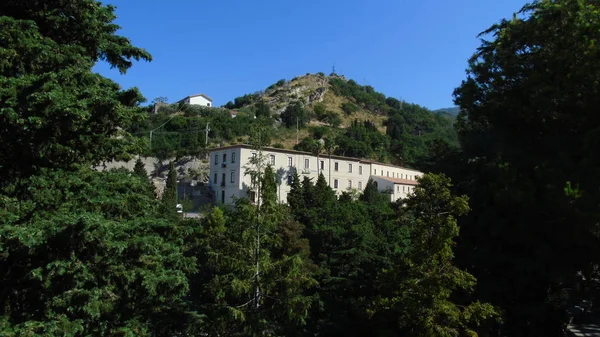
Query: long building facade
[230,178]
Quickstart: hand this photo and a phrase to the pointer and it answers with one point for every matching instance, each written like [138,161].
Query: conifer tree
[140,170]
[169,196]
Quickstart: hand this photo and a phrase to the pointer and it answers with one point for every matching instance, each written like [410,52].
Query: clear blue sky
[414,50]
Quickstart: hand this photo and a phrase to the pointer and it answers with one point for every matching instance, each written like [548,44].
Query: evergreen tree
[371,194]
[140,170]
[269,186]
[57,112]
[294,198]
[83,253]
[528,127]
[323,194]
[169,196]
[265,297]
[419,287]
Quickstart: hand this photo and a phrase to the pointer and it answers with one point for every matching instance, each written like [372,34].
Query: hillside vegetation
[354,120]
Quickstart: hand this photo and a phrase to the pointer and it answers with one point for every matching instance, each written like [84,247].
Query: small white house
[199,99]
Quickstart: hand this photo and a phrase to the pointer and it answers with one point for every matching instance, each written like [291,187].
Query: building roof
[199,95]
[398,180]
[274,149]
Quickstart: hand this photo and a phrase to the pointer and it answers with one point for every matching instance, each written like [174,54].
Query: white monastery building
[199,99]
[229,164]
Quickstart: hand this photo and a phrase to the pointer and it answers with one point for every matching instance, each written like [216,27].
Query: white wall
[198,100]
[242,183]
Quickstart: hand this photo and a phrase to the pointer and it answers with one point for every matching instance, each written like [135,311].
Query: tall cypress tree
[294,198]
[169,197]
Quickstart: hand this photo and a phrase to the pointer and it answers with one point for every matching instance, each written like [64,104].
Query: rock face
[307,89]
[192,174]
[317,95]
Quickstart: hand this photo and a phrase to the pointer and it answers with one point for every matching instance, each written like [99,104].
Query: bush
[349,108]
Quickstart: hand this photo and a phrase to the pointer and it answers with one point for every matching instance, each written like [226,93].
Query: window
[290,161]
[374,172]
[335,183]
[397,188]
[336,166]
[401,176]
[216,159]
[272,160]
[290,179]
[360,170]
[403,188]
[232,176]
[215,180]
[306,163]
[224,158]
[349,183]
[360,185]
[207,104]
[350,168]
[232,157]
[388,173]
[322,166]
[223,179]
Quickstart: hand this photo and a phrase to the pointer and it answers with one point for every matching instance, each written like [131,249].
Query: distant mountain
[448,111]
[343,106]
[358,120]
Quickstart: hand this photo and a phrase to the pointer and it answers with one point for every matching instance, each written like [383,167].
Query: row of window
[225,158]
[321,165]
[397,175]
[404,188]
[232,179]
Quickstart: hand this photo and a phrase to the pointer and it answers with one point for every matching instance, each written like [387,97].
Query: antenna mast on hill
[333,69]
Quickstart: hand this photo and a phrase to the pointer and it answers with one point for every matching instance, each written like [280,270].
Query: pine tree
[323,193]
[169,197]
[140,170]
[294,198]
[419,287]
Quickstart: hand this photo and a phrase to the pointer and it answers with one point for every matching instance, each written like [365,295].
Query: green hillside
[354,120]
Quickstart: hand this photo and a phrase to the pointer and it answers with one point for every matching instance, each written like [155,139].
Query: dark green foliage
[319,111]
[139,169]
[349,108]
[529,133]
[371,194]
[425,274]
[242,101]
[294,114]
[364,96]
[184,135]
[87,253]
[279,83]
[269,185]
[362,140]
[269,295]
[47,91]
[262,110]
[294,198]
[169,196]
